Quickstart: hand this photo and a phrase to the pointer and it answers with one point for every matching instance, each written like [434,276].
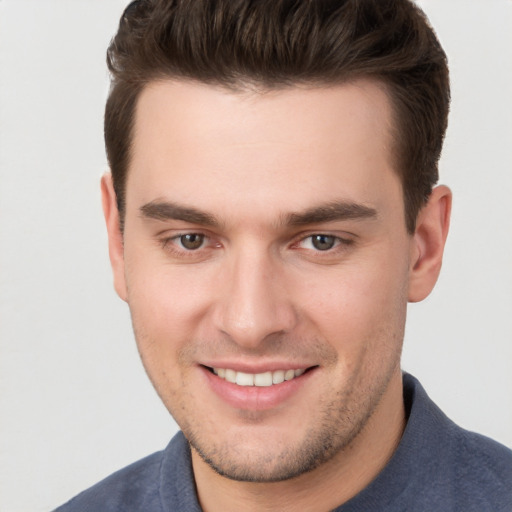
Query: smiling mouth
[265,379]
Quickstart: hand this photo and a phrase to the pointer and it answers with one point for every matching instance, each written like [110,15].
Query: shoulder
[483,470]
[468,470]
[161,482]
[134,487]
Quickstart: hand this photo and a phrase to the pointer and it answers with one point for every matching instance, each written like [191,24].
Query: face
[266,265]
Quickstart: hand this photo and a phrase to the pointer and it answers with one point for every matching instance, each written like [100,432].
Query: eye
[320,242]
[323,242]
[189,247]
[191,241]
[324,247]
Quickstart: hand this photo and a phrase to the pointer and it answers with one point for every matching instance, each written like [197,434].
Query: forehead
[210,111]
[293,145]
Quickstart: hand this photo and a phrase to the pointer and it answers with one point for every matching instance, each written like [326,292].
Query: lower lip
[255,398]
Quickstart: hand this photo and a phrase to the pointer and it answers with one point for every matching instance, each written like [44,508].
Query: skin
[241,170]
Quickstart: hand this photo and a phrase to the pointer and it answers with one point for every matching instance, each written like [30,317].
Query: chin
[259,457]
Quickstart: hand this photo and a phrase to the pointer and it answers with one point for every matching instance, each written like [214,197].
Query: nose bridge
[253,302]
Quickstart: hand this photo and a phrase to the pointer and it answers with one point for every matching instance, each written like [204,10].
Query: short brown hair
[279,43]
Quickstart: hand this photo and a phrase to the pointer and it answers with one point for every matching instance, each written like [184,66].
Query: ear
[115,237]
[427,244]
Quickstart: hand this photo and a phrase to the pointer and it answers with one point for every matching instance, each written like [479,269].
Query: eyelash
[170,244]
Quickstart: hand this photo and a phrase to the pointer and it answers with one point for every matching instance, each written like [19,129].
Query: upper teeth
[257,379]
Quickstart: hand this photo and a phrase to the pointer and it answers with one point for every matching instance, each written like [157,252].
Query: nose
[253,303]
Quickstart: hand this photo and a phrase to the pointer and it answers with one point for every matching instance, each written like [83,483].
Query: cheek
[167,298]
[166,304]
[360,307]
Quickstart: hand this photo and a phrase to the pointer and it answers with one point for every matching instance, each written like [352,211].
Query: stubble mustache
[276,347]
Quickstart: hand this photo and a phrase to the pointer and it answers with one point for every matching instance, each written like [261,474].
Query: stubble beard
[342,420]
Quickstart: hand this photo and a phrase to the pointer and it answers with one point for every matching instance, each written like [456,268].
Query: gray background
[74,401]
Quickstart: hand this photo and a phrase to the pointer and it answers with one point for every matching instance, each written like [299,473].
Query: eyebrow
[328,212]
[165,210]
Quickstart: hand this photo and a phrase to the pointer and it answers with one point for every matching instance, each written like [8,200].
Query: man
[271,210]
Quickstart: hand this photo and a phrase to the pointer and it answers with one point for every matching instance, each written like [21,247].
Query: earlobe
[428,243]
[115,237]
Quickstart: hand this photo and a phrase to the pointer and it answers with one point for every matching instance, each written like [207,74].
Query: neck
[323,489]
